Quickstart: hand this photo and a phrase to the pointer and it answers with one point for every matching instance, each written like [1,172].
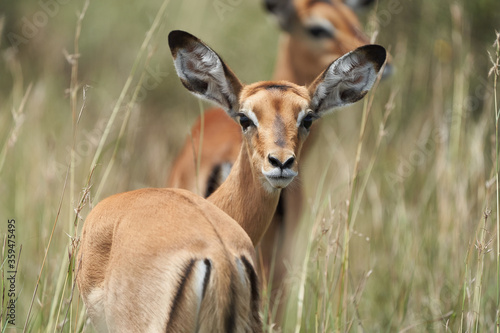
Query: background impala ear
[203,72]
[347,79]
[283,11]
[359,5]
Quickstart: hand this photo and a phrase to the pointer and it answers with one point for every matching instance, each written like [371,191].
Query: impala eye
[245,122]
[307,121]
[319,32]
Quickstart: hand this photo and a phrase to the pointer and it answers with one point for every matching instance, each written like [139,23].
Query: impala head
[322,30]
[275,117]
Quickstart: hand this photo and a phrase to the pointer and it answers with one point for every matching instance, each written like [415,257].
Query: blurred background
[421,247]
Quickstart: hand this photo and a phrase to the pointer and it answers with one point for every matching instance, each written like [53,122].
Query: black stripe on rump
[254,284]
[178,296]
[231,315]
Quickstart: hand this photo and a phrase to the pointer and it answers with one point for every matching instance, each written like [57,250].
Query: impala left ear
[347,80]
[283,10]
[203,72]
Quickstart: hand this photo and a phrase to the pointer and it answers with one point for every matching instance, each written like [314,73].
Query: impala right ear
[203,72]
[347,79]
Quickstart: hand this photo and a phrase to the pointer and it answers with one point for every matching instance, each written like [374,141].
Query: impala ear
[203,72]
[347,79]
[283,10]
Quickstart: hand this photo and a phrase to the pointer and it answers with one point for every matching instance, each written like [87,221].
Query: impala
[315,33]
[167,260]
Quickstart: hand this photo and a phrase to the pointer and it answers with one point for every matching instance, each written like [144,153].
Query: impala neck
[243,197]
[296,62]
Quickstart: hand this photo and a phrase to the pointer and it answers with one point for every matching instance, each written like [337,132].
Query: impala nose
[277,163]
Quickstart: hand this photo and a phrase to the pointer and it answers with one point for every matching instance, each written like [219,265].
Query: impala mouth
[279,178]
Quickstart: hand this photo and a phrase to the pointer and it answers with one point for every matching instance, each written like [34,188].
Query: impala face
[329,28]
[331,25]
[274,116]
[275,120]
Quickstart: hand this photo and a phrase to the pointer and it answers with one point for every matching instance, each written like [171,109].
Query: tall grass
[495,70]
[401,227]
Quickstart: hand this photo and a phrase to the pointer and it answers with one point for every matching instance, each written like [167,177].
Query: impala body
[167,260]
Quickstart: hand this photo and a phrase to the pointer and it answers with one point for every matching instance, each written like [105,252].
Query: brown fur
[222,149]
